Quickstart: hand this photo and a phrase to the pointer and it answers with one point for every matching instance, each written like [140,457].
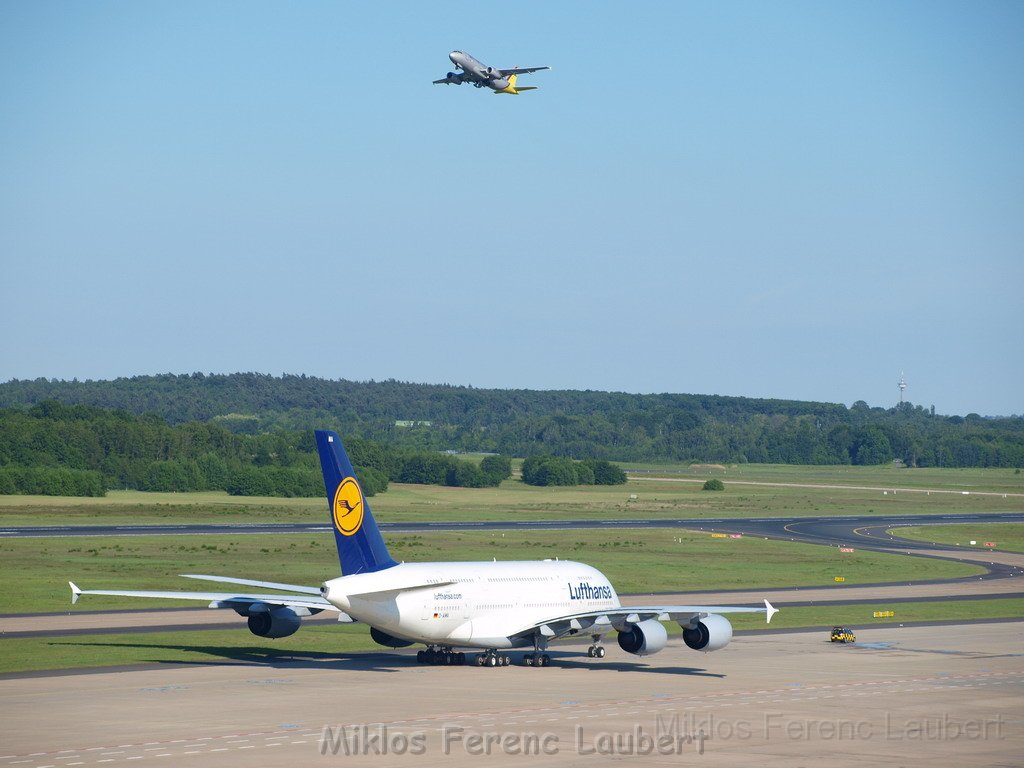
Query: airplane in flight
[480,75]
[489,606]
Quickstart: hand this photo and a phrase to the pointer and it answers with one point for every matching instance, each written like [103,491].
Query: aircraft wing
[444,81]
[521,70]
[251,583]
[602,621]
[218,599]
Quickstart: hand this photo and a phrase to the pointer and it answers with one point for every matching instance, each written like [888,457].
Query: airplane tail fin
[361,548]
[513,89]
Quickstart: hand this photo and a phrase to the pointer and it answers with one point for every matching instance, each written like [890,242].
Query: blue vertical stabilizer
[361,548]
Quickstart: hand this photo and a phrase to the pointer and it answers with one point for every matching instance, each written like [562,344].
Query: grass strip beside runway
[36,571]
[1007,537]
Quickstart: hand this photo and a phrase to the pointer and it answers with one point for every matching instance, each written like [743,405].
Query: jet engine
[389,641]
[277,622]
[644,638]
[709,634]
[454,78]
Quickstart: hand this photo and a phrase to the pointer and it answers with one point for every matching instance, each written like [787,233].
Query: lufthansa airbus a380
[480,75]
[490,606]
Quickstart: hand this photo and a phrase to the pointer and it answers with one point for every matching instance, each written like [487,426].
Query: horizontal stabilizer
[251,583]
[400,587]
[514,90]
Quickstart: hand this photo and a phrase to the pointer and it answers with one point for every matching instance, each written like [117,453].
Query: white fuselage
[472,604]
[477,72]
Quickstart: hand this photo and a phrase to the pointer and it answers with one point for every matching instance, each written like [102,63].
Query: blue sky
[794,200]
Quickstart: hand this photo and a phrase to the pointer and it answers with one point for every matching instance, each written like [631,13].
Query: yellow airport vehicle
[843,635]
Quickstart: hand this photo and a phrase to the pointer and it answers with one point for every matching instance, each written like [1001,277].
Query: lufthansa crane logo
[348,507]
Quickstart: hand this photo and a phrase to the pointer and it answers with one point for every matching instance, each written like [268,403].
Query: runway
[836,529]
[898,697]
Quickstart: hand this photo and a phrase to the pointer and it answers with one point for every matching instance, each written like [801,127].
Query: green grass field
[1008,537]
[653,499]
[883,476]
[328,646]
[36,571]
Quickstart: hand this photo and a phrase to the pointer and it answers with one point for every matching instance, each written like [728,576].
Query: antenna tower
[902,384]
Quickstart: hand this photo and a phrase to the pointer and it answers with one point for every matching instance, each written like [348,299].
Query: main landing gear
[441,657]
[538,659]
[446,657]
[596,651]
[492,659]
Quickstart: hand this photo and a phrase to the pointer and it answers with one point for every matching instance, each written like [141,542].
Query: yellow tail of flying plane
[512,86]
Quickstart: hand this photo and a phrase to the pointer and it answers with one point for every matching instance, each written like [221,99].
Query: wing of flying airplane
[518,71]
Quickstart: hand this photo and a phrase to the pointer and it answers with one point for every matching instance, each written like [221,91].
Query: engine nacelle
[389,641]
[278,622]
[644,638]
[454,78]
[710,633]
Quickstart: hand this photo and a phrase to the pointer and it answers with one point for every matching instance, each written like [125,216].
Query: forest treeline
[558,470]
[80,450]
[576,424]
